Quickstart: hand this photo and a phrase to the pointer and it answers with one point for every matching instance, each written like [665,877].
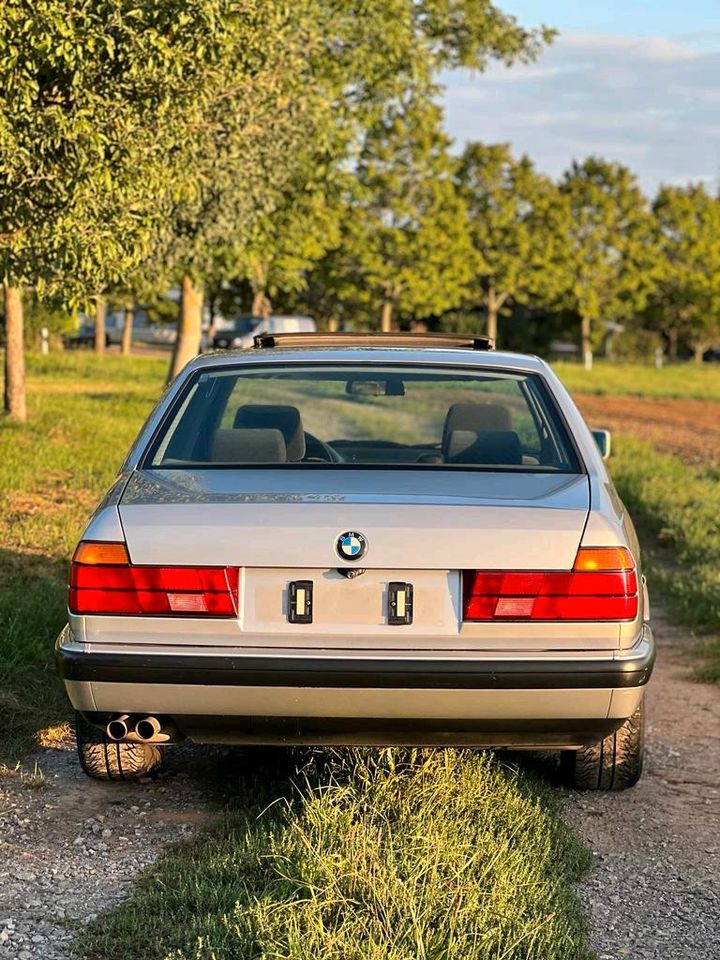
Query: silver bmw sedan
[344,539]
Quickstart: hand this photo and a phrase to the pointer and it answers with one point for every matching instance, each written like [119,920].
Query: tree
[615,255]
[103,106]
[688,296]
[518,225]
[343,68]
[405,245]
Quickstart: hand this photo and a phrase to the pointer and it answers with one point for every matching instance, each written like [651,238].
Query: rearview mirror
[603,439]
[376,388]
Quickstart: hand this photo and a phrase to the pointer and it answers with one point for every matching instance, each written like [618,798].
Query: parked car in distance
[145,332]
[240,333]
[346,539]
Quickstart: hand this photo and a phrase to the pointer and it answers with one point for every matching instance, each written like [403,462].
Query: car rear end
[368,546]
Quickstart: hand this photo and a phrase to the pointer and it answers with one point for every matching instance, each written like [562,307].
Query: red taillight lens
[602,586]
[101,583]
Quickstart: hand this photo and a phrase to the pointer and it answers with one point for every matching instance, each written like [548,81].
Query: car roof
[381,354]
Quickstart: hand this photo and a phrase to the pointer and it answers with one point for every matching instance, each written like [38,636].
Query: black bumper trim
[283,671]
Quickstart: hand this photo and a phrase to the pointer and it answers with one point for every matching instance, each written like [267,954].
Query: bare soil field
[690,429]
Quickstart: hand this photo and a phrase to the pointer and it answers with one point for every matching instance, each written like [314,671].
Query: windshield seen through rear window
[310,415]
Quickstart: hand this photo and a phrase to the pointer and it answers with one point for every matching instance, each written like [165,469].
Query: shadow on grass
[33,589]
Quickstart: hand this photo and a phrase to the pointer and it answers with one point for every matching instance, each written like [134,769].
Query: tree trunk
[699,351]
[212,319]
[673,343]
[126,347]
[100,314]
[187,344]
[333,325]
[261,306]
[14,355]
[587,354]
[492,315]
[386,317]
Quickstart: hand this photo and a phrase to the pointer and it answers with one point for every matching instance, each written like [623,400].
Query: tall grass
[376,855]
[677,510]
[686,380]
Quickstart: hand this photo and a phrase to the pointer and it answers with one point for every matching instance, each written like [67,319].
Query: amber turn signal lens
[92,551]
[592,559]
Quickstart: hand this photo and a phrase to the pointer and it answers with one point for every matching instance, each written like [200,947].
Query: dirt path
[654,890]
[688,428]
[69,849]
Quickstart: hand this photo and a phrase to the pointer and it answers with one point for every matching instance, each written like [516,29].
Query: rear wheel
[103,759]
[614,763]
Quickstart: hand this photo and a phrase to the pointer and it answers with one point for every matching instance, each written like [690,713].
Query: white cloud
[652,103]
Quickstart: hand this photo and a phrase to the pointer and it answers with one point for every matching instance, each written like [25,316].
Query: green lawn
[677,511]
[687,380]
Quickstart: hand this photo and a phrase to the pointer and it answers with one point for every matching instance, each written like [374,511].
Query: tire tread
[103,759]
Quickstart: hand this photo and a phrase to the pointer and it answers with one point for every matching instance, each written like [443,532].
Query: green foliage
[615,253]
[374,855]
[519,227]
[677,508]
[688,298]
[404,237]
[95,103]
[641,380]
[271,159]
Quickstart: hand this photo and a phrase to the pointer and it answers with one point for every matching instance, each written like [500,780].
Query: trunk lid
[412,520]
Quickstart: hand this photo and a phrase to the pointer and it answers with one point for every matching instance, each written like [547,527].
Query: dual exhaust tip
[147,729]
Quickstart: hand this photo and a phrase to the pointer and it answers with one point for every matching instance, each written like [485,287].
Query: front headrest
[270,416]
[249,446]
[501,447]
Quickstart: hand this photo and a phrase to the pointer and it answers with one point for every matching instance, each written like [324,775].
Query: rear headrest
[249,446]
[501,447]
[478,417]
[269,416]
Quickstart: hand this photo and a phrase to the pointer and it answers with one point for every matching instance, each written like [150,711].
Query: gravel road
[69,848]
[654,890]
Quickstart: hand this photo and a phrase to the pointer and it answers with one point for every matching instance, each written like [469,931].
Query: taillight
[103,581]
[602,586]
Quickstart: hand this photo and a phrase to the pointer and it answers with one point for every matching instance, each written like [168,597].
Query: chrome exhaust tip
[117,729]
[148,728]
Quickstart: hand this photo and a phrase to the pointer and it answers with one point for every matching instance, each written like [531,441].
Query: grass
[682,380]
[83,414]
[677,511]
[374,855]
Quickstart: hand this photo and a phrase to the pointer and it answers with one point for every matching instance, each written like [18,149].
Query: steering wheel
[316,449]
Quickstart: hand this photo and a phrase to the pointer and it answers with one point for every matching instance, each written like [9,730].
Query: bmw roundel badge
[351,545]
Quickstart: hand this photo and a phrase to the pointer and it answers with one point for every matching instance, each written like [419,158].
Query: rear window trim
[180,397]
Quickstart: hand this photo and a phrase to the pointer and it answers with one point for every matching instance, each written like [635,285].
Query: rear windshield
[335,416]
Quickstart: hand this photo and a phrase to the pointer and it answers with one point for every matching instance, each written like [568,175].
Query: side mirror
[603,439]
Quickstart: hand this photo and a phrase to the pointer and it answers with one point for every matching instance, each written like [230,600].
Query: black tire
[103,759]
[614,763]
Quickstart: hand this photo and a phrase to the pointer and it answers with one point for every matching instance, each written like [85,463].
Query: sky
[636,81]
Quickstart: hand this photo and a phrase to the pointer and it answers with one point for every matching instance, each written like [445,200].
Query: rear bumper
[528,703]
[623,671]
